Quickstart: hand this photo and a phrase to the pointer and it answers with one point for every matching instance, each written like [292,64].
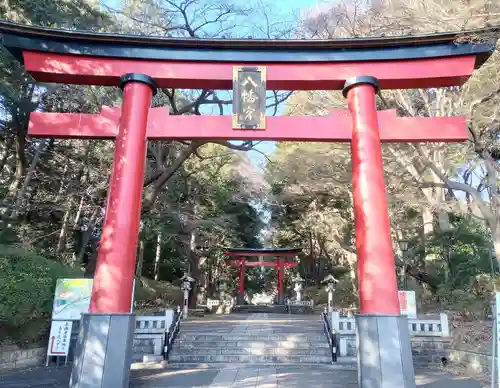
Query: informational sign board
[72,299]
[59,339]
[408,303]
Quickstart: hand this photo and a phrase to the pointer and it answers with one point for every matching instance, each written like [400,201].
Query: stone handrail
[172,334]
[331,336]
[150,324]
[418,327]
[155,329]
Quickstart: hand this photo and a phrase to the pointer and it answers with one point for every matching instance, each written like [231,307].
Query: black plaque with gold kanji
[249,97]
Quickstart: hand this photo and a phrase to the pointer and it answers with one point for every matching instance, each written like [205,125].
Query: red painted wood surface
[401,74]
[114,274]
[378,288]
[281,288]
[337,127]
[242,277]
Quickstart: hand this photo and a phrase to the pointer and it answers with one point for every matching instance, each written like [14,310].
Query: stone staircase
[254,309]
[258,338]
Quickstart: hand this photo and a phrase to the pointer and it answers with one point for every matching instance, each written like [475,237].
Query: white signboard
[408,303]
[301,303]
[60,335]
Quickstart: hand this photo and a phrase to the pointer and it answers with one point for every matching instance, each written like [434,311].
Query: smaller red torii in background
[281,262]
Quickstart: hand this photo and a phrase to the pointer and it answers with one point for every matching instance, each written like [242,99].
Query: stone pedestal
[240,299]
[185,303]
[103,353]
[330,301]
[384,352]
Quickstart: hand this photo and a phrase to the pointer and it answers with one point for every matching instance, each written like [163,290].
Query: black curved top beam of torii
[16,38]
[402,62]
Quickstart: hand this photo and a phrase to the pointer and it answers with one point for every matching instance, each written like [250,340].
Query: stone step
[251,359]
[249,344]
[186,350]
[284,330]
[251,337]
[350,365]
[252,309]
[319,336]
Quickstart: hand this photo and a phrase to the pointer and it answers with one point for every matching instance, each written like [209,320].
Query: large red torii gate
[359,67]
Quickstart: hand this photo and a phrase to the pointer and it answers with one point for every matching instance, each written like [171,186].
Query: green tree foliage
[27,293]
[197,198]
[464,267]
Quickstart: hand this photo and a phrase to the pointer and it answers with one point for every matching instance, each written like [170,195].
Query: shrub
[26,294]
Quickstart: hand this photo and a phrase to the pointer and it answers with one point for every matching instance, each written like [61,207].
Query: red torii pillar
[110,325]
[376,270]
[114,275]
[241,284]
[379,326]
[281,289]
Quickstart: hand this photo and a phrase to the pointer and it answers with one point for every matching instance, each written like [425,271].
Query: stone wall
[426,350]
[471,363]
[13,357]
[430,350]
[141,347]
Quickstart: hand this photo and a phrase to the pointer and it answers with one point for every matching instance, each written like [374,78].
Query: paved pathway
[233,376]
[230,377]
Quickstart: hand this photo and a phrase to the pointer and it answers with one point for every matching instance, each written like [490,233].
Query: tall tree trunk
[27,179]
[495,234]
[21,164]
[353,273]
[428,230]
[140,259]
[78,212]
[63,181]
[157,257]
[64,228]
[86,235]
[155,184]
[6,152]
[194,264]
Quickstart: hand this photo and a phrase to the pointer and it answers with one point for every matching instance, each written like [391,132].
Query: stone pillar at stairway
[186,286]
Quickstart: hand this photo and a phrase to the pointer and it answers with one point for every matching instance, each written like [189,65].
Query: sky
[279,4]
[282,10]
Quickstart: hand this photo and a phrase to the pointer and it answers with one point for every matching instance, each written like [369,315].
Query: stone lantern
[222,290]
[330,282]
[186,286]
[299,282]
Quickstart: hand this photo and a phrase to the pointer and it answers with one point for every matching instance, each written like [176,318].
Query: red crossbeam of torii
[336,127]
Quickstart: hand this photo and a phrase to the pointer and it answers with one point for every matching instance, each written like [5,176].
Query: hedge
[27,285]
